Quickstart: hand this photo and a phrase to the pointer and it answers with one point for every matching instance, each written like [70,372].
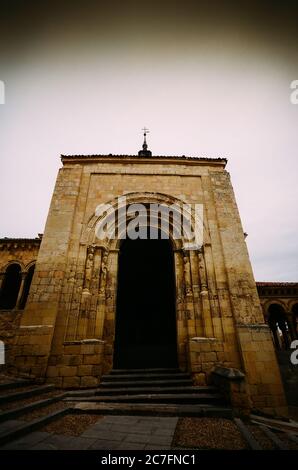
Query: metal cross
[146,131]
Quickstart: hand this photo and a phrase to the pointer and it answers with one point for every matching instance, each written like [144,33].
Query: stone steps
[28,393]
[15,384]
[151,391]
[107,383]
[22,410]
[155,409]
[154,389]
[186,398]
[144,371]
[160,386]
[145,376]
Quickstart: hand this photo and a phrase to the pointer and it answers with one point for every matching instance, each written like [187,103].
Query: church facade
[98,303]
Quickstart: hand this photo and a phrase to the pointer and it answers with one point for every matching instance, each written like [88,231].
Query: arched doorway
[10,287]
[145,334]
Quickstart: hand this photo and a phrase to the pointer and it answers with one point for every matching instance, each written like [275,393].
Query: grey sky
[206,83]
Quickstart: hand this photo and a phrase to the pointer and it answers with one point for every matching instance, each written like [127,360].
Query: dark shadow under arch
[145,333]
[10,287]
[278,324]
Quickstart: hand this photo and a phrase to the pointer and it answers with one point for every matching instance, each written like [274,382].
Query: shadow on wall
[289,373]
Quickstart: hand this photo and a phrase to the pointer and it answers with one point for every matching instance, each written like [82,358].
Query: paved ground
[109,433]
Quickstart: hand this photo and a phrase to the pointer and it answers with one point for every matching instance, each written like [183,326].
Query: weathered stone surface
[67,329]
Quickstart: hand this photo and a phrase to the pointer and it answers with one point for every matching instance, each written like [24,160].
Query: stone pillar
[207,320]
[291,324]
[189,301]
[196,293]
[85,301]
[182,337]
[213,295]
[100,311]
[109,314]
[21,290]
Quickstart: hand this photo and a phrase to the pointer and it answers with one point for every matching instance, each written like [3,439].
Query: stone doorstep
[158,410]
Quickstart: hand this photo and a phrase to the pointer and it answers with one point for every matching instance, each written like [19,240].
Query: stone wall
[80,365]
[22,252]
[74,288]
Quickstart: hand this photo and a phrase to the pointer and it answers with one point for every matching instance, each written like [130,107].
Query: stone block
[88,381]
[85,370]
[92,359]
[71,382]
[68,371]
[73,349]
[87,349]
[52,371]
[57,381]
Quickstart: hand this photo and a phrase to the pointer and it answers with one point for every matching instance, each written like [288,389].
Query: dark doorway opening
[145,321]
[11,286]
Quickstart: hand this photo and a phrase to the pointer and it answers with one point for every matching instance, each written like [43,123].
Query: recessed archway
[10,287]
[145,333]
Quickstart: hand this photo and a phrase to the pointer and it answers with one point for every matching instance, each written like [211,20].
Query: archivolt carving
[118,205]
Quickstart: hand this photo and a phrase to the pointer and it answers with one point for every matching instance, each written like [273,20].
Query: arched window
[27,285]
[279,326]
[10,287]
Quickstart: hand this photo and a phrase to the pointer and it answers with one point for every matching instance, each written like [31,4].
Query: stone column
[100,312]
[196,293]
[207,320]
[180,315]
[213,296]
[291,324]
[108,317]
[189,301]
[21,290]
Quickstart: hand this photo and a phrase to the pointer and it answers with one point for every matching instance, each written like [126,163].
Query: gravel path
[208,433]
[44,411]
[72,424]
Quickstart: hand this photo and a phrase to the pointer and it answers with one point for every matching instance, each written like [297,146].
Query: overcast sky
[206,80]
